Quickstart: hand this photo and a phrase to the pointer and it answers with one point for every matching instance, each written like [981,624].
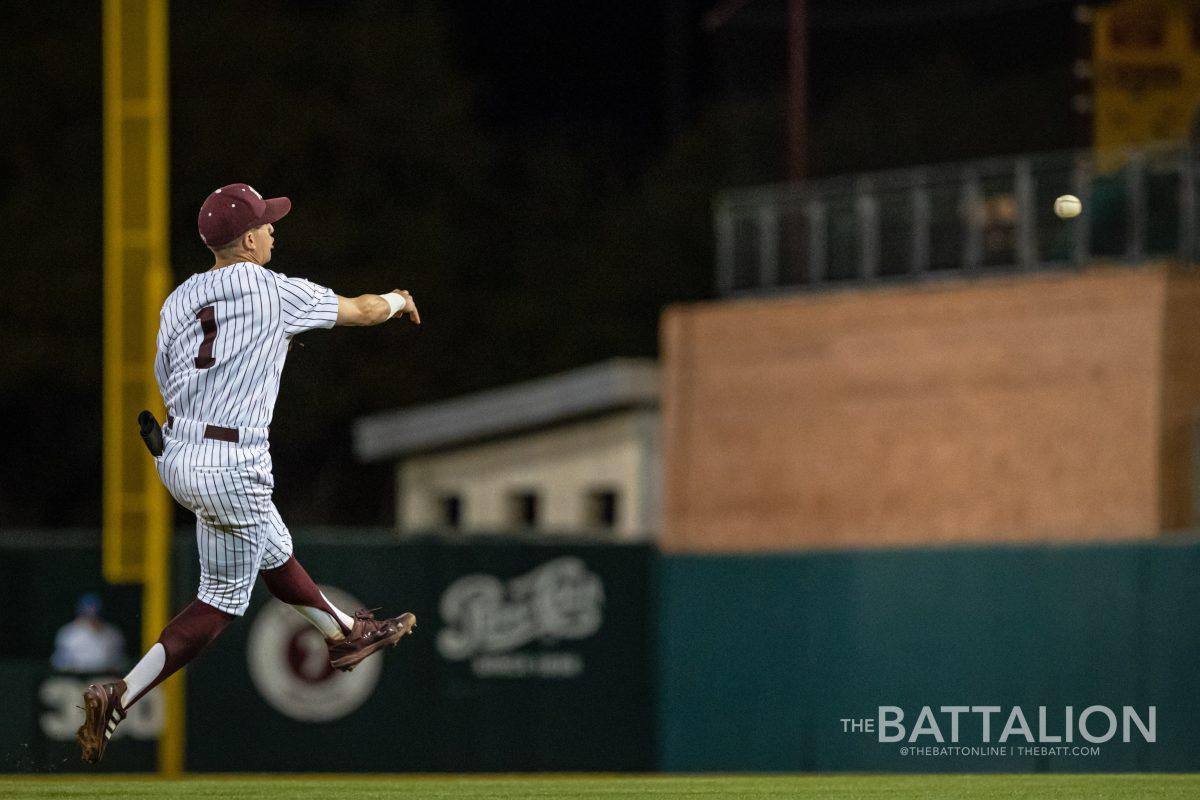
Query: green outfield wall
[42,575]
[527,657]
[541,655]
[762,657]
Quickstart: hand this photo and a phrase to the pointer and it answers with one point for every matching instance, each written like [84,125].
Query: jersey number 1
[208,324]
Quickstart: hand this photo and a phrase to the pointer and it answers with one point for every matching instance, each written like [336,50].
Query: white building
[568,454]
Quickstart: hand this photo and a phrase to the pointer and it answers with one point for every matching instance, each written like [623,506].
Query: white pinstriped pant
[228,487]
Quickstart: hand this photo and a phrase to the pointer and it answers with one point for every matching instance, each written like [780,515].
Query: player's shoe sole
[102,713]
[405,624]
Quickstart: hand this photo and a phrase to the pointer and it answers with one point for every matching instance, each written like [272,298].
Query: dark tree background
[539,174]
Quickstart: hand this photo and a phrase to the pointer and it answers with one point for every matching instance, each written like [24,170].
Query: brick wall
[1017,408]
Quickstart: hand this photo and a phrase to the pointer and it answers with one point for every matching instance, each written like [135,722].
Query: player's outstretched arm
[372,309]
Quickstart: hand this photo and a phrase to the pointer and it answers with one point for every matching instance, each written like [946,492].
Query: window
[602,508]
[450,511]
[523,509]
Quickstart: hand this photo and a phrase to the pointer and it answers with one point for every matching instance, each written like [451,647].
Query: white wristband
[396,302]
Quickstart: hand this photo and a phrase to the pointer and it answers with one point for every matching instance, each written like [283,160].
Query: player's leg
[227,568]
[229,560]
[105,706]
[350,639]
[289,582]
[185,637]
[228,557]
[292,584]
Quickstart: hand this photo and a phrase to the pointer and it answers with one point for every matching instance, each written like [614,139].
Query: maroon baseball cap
[232,210]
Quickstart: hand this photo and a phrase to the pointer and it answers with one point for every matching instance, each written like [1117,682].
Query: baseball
[1067,206]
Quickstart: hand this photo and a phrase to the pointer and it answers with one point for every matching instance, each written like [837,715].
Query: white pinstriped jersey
[223,338]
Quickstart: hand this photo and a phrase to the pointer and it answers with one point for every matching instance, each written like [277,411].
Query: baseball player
[223,337]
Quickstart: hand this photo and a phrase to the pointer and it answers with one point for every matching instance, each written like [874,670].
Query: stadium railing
[960,219]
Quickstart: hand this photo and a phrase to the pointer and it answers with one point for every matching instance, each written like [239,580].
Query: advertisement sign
[525,657]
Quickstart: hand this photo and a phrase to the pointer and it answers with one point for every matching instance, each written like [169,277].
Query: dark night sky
[602,67]
[529,170]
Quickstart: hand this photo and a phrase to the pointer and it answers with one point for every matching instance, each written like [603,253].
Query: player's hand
[410,306]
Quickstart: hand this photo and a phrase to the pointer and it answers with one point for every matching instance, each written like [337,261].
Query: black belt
[214,432]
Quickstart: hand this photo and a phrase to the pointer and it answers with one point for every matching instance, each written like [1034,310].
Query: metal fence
[978,217]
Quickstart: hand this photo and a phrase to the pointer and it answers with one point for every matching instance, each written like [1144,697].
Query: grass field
[517,787]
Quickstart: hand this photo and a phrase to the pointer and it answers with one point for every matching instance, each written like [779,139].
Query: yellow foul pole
[137,514]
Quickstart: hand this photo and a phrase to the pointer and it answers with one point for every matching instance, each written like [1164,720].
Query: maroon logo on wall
[289,665]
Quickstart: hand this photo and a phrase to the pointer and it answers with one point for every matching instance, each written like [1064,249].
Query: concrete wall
[1039,407]
[561,465]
